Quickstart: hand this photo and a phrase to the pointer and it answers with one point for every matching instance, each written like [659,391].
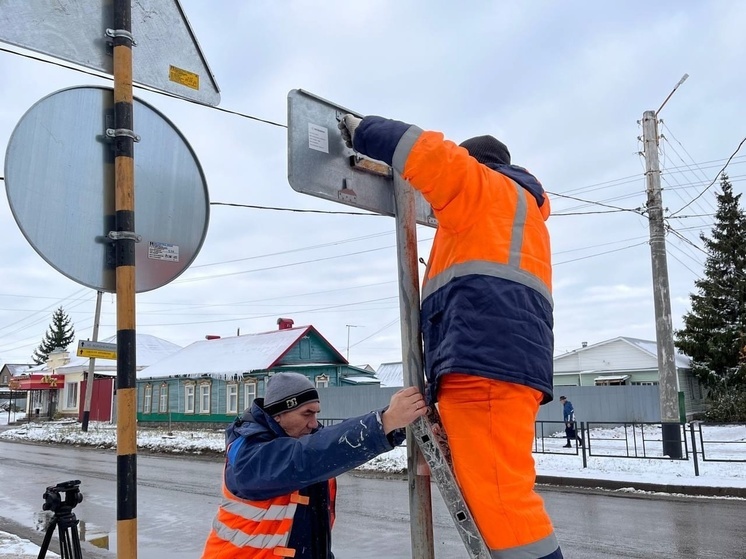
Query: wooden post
[124,237]
[91,367]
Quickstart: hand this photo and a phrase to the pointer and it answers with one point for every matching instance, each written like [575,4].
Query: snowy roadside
[14,547]
[633,470]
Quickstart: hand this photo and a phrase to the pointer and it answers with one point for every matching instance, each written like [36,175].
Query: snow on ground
[13,547]
[721,442]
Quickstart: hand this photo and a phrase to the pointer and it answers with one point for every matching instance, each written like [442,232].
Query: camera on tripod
[54,501]
[63,518]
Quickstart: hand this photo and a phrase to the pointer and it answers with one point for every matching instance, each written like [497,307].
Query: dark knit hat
[487,150]
[287,391]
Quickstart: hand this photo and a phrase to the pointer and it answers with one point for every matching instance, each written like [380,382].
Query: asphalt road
[177,498]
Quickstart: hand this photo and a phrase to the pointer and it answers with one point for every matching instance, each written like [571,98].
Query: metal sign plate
[97,350]
[321,165]
[167,56]
[59,178]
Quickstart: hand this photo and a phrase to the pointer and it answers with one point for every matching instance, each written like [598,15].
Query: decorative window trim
[231,393]
[147,399]
[163,396]
[190,387]
[204,385]
[249,395]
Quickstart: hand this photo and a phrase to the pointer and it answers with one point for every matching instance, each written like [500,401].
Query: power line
[713,180]
[141,86]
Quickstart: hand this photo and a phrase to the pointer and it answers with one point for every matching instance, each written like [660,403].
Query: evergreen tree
[60,334]
[714,332]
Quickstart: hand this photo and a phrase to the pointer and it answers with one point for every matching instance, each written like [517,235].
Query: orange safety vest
[257,529]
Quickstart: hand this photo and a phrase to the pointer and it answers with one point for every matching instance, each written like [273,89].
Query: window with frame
[231,398]
[163,405]
[189,398]
[147,399]
[322,381]
[71,388]
[204,398]
[249,394]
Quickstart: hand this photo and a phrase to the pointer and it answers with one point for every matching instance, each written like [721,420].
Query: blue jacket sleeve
[260,470]
[377,137]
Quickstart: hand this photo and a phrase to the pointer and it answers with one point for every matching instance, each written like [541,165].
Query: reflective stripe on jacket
[257,529]
[265,467]
[486,300]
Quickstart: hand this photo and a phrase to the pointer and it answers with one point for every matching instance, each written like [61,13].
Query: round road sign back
[59,177]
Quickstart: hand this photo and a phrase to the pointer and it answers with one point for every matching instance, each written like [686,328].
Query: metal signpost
[87,135]
[321,165]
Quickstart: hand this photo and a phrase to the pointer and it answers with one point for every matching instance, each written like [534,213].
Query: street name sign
[97,350]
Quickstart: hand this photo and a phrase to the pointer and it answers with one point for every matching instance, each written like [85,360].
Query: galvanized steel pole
[124,238]
[420,498]
[669,383]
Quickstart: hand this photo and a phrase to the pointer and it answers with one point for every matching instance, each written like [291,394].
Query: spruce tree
[60,334]
[714,332]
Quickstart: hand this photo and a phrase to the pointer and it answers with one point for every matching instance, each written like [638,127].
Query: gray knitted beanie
[287,391]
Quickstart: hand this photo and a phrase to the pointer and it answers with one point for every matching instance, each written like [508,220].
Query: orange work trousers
[490,430]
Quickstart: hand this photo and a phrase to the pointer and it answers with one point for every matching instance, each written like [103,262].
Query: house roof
[149,350]
[391,374]
[360,380]
[648,346]
[16,368]
[234,355]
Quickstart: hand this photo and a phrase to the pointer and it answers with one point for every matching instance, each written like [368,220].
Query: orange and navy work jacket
[279,492]
[487,293]
[261,529]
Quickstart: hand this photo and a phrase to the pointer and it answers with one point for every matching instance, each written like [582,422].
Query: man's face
[300,421]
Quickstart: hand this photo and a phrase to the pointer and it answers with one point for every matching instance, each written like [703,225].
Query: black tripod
[64,518]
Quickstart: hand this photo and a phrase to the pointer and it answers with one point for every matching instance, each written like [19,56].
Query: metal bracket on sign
[124,236]
[119,132]
[114,33]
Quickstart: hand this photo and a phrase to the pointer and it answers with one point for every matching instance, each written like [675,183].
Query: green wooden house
[214,380]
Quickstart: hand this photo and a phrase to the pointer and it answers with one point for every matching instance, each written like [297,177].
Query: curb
[694,490]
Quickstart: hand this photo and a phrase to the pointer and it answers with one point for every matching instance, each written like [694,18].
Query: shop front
[42,392]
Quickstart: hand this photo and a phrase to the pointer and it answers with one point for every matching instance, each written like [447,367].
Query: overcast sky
[563,84]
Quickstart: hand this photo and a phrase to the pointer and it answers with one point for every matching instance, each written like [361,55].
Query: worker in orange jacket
[486,319]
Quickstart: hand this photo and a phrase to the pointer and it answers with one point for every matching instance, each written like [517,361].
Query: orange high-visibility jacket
[279,491]
[486,300]
[257,529]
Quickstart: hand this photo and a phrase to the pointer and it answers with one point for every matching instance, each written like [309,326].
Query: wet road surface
[177,498]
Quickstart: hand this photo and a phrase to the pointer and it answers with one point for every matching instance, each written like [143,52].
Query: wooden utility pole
[124,238]
[91,367]
[669,382]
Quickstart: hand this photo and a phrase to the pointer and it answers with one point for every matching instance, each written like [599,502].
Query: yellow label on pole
[183,77]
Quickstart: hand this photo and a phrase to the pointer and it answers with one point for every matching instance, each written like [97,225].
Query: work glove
[347,126]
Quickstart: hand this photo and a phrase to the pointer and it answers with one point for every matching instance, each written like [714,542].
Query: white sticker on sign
[163,251]
[318,138]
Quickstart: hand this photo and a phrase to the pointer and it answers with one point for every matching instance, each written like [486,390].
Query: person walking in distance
[568,416]
[279,483]
[486,319]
